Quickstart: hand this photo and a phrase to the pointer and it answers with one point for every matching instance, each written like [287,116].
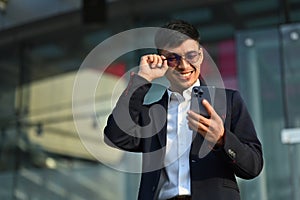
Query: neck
[174,89]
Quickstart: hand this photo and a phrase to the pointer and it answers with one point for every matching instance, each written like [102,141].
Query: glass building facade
[47,153]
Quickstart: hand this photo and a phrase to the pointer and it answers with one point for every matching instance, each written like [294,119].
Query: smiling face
[186,73]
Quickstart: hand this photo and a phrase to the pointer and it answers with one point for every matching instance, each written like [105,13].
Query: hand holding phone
[198,94]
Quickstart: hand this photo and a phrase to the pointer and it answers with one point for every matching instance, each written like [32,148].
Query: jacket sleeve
[123,128]
[242,149]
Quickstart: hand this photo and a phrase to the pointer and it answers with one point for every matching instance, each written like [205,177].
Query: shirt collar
[186,93]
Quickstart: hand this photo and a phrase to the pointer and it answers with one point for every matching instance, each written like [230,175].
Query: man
[171,138]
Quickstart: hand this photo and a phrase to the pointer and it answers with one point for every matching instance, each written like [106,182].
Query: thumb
[208,107]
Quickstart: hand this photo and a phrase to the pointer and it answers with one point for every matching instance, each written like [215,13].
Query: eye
[191,55]
[173,57]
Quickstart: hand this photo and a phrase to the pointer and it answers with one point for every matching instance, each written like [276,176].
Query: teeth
[186,74]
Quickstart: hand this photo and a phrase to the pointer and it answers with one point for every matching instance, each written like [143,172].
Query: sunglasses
[174,59]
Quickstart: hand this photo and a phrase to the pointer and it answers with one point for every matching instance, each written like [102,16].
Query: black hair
[175,33]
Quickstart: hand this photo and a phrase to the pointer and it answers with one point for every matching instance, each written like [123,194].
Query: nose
[183,64]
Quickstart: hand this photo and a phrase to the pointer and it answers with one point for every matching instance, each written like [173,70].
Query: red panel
[227,63]
[117,69]
[227,58]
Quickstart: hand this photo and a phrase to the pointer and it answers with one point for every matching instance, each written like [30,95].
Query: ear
[201,56]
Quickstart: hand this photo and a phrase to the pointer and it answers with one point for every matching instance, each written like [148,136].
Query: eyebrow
[172,53]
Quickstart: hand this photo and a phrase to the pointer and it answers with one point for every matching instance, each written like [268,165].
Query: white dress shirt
[179,139]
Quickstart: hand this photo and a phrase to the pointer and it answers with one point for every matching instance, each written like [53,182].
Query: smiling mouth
[185,74]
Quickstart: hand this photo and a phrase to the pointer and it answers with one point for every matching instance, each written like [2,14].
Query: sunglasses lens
[173,60]
[192,57]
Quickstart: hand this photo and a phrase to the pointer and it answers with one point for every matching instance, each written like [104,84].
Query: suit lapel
[163,133]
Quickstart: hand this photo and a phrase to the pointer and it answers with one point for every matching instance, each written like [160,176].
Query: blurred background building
[43,43]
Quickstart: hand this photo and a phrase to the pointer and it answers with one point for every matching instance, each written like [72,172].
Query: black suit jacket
[212,177]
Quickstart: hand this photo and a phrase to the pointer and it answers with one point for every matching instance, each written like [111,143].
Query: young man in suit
[170,135]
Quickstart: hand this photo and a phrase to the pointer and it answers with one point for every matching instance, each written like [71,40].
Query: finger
[202,129]
[159,62]
[193,114]
[192,120]
[163,57]
[193,125]
[152,58]
[210,110]
[149,60]
[154,61]
[144,60]
[199,118]
[208,132]
[196,123]
[164,62]
[198,127]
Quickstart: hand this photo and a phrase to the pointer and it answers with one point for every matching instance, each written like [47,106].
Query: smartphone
[198,94]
